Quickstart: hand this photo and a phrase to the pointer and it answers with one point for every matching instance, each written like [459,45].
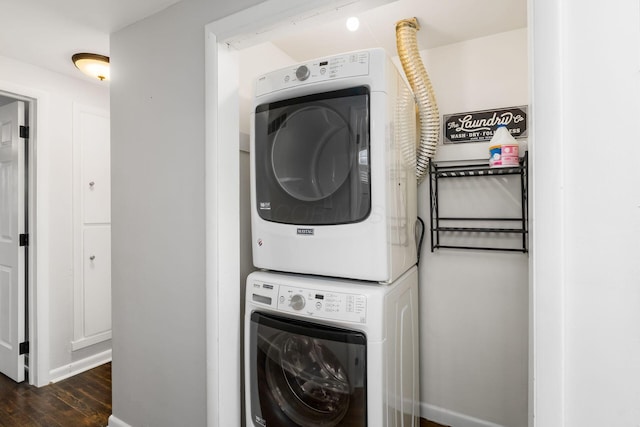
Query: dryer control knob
[297,302]
[302,73]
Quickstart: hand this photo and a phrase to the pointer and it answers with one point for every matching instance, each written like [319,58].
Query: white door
[12,254]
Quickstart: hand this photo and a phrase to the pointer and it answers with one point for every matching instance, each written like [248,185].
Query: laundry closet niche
[473,304]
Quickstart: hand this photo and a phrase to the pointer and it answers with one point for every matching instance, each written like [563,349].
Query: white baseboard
[89,341]
[79,366]
[451,418]
[116,422]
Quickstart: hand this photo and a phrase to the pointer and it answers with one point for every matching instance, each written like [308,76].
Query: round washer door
[307,380]
[305,374]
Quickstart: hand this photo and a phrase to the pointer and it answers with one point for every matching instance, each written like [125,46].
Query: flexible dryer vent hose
[429,117]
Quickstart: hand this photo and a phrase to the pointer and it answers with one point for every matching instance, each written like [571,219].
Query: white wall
[594,89]
[158,216]
[474,304]
[61,92]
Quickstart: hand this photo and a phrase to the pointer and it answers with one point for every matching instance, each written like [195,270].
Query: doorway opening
[14,238]
[22,299]
[224,39]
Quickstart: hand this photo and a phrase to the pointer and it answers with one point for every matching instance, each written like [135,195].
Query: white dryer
[331,352]
[333,169]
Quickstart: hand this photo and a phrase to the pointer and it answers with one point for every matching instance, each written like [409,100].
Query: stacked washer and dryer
[331,319]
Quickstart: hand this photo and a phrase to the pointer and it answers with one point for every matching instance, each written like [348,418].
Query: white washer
[331,352]
[333,169]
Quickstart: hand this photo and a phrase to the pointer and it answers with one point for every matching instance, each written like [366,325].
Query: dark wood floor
[83,401]
[80,401]
[427,423]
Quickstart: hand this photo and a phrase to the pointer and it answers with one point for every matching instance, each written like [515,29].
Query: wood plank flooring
[80,401]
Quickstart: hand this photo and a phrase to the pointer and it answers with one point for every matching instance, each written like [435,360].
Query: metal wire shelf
[441,225]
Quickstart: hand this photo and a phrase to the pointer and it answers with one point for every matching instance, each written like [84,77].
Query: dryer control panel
[336,67]
[340,306]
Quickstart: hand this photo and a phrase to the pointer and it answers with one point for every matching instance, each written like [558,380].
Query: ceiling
[46,33]
[442,22]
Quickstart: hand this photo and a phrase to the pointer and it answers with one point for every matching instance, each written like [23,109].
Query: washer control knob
[302,73]
[297,302]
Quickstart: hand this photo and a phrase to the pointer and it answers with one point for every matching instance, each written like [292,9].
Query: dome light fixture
[92,64]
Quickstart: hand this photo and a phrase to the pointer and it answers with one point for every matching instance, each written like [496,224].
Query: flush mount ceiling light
[353,23]
[92,64]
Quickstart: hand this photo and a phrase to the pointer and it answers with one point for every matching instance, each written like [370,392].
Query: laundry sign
[477,126]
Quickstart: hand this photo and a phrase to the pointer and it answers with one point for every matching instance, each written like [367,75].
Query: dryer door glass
[312,158]
[305,374]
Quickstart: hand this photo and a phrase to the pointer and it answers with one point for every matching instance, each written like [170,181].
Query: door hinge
[24,240]
[24,347]
[24,132]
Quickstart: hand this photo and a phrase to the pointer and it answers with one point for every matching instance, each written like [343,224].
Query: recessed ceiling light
[353,23]
[92,64]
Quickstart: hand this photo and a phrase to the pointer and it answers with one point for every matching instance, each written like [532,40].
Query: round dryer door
[312,158]
[313,152]
[306,374]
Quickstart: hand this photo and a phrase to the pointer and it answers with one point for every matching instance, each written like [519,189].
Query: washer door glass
[312,158]
[305,374]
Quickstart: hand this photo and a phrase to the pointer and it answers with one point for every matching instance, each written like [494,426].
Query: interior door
[12,254]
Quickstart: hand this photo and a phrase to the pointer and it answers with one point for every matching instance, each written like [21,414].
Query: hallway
[82,400]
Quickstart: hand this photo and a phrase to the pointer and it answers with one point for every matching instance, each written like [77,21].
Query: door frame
[546,284]
[37,213]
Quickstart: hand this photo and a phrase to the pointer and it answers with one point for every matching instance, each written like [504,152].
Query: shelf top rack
[476,169]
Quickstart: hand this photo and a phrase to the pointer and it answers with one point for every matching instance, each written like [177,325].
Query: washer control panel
[342,306]
[336,67]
